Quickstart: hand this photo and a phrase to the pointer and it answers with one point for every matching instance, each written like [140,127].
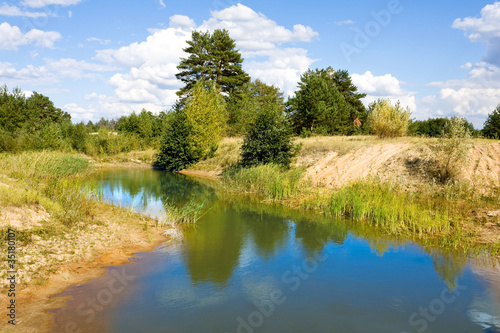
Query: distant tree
[388,121]
[492,125]
[176,149]
[212,58]
[269,139]
[12,109]
[206,113]
[319,106]
[243,108]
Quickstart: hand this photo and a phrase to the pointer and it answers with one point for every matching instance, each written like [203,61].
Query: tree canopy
[212,58]
[319,105]
[492,124]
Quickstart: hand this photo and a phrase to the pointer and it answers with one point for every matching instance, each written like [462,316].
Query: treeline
[218,99]
[34,123]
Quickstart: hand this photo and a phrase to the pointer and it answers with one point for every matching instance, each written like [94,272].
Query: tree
[206,113]
[388,121]
[344,84]
[176,151]
[212,58]
[492,125]
[319,107]
[269,139]
[243,108]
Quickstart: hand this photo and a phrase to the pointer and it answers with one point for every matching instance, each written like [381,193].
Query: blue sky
[107,58]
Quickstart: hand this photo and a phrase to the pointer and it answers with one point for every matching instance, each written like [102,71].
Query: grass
[269,180]
[188,213]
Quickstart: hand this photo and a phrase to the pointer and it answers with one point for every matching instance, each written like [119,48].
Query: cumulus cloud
[7,10]
[11,37]
[43,3]
[473,97]
[485,29]
[384,86]
[150,66]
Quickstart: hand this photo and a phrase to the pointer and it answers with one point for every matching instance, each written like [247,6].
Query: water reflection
[242,251]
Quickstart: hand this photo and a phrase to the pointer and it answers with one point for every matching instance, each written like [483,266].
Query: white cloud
[11,37]
[147,79]
[384,86]
[7,10]
[473,97]
[51,72]
[181,21]
[43,3]
[162,4]
[98,40]
[346,22]
[485,29]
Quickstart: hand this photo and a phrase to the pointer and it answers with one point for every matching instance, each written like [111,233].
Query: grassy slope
[381,182]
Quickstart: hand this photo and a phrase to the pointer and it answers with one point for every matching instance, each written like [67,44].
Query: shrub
[206,113]
[176,151]
[492,125]
[388,121]
[269,140]
[452,151]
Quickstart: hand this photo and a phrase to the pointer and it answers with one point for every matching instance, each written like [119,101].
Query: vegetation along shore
[323,150]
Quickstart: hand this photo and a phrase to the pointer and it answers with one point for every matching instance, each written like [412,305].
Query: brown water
[250,267]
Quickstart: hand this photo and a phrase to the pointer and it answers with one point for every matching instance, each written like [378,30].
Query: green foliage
[433,127]
[326,103]
[243,107]
[492,125]
[269,180]
[388,121]
[212,58]
[269,140]
[452,151]
[176,151]
[206,114]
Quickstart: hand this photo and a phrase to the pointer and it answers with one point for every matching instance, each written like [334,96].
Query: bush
[388,121]
[269,140]
[206,114]
[176,151]
[452,151]
[492,125]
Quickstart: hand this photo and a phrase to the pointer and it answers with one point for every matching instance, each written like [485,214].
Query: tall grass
[188,213]
[269,180]
[385,206]
[53,180]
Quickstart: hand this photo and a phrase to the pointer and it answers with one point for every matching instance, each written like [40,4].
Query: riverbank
[390,184]
[63,236]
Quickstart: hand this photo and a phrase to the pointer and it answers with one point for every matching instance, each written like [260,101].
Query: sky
[104,58]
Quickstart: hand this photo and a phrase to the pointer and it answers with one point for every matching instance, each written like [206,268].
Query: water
[251,267]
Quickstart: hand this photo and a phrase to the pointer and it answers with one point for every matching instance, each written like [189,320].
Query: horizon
[440,59]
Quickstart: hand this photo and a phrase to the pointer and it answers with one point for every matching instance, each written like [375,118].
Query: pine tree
[176,151]
[212,58]
[492,125]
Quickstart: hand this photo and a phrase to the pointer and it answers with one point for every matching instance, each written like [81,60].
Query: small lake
[251,267]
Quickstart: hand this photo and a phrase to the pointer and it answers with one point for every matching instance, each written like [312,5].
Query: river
[248,266]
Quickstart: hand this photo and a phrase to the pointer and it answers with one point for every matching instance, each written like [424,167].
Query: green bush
[269,140]
[388,121]
[452,151]
[176,151]
[492,125]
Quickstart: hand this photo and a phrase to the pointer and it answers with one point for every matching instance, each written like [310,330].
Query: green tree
[212,58]
[269,139]
[343,83]
[388,121]
[492,125]
[206,113]
[319,107]
[243,108]
[176,150]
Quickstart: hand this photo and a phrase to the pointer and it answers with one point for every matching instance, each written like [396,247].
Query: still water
[251,267]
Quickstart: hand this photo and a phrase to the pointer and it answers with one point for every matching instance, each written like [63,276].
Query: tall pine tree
[212,58]
[492,125]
